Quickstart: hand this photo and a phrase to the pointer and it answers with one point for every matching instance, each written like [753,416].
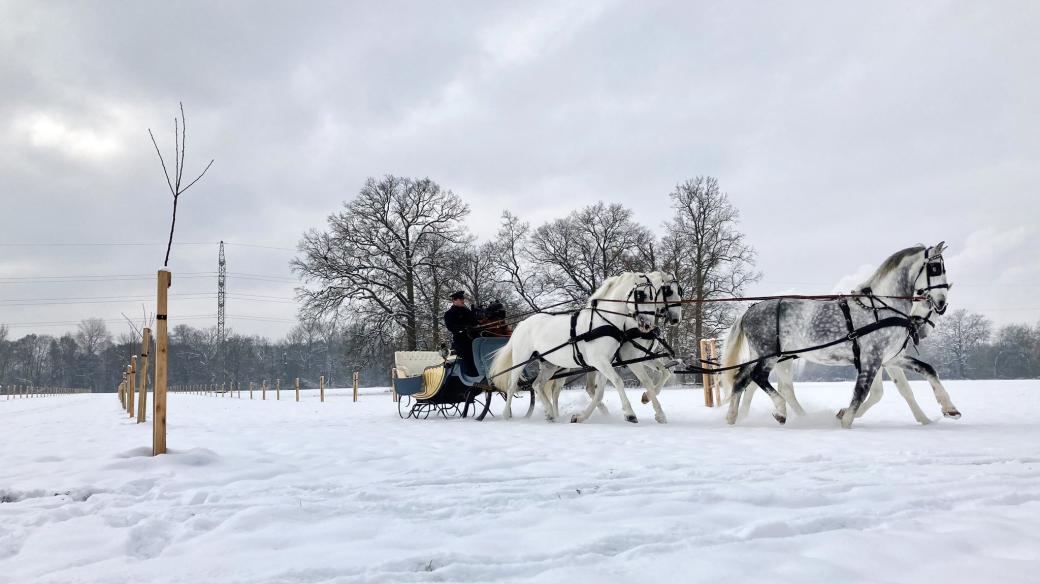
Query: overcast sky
[842,131]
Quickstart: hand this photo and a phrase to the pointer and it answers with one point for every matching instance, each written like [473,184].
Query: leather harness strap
[844,304]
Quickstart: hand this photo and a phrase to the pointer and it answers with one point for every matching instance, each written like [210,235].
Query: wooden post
[321,387]
[278,389]
[713,349]
[131,385]
[142,398]
[263,394]
[250,390]
[239,389]
[706,378]
[223,391]
[355,386]
[164,281]
[297,389]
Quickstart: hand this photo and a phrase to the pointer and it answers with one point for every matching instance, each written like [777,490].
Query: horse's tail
[731,355]
[500,376]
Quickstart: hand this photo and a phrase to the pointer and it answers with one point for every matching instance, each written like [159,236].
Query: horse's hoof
[841,414]
[846,422]
[575,419]
[924,421]
[661,419]
[731,420]
[780,418]
[953,414]
[645,399]
[632,419]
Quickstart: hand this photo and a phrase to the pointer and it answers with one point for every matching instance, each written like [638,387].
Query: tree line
[377,278]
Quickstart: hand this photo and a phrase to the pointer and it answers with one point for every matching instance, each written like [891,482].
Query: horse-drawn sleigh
[869,328]
[430,382]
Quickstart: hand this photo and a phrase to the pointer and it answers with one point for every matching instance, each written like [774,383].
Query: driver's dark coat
[460,320]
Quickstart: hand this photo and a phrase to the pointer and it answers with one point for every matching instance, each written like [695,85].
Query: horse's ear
[940,248]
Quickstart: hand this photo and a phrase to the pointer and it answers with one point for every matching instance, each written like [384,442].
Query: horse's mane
[890,264]
[611,284]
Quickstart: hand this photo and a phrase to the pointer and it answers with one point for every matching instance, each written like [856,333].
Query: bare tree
[93,336]
[176,182]
[707,254]
[578,252]
[373,255]
[512,263]
[958,337]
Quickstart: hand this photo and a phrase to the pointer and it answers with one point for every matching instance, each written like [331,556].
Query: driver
[461,322]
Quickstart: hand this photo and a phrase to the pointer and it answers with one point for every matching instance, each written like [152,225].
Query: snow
[284,492]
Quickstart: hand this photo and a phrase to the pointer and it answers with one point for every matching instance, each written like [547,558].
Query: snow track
[284,492]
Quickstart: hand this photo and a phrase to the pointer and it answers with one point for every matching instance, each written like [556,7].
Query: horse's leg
[593,380]
[597,398]
[760,374]
[650,382]
[928,372]
[785,382]
[866,376]
[543,387]
[903,386]
[606,370]
[745,399]
[741,381]
[877,391]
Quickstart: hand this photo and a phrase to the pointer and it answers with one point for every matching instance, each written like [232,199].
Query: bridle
[932,267]
[666,291]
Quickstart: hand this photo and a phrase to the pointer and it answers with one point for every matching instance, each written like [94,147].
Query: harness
[604,330]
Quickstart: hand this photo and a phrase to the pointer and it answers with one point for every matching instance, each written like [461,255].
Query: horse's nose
[675,321]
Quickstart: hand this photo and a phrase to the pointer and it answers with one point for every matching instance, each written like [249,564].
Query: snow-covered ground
[264,492]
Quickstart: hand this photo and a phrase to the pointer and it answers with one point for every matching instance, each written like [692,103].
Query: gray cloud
[842,133]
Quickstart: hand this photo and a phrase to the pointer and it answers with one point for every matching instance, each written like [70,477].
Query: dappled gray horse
[924,320]
[865,332]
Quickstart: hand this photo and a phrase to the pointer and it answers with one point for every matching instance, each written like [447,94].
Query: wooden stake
[142,383]
[131,385]
[297,389]
[321,387]
[164,281]
[713,349]
[706,378]
[278,389]
[355,386]
[250,390]
[263,395]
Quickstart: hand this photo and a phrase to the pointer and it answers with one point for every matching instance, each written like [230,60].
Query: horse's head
[668,297]
[931,279]
[641,300]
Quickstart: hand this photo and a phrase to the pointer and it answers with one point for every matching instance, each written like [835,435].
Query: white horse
[920,313]
[836,332]
[652,374]
[589,336]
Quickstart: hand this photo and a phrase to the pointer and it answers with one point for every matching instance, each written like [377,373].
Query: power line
[139,244]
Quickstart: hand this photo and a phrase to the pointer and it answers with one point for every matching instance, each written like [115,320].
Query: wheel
[404,406]
[493,403]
